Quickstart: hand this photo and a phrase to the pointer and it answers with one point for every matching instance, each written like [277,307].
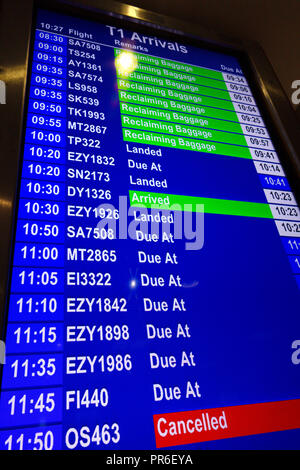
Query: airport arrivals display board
[155,279]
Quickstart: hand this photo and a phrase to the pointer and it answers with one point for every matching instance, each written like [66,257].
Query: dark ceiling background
[275,24]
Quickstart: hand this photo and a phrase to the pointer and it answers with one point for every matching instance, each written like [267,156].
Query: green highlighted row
[179,129]
[183,143]
[181,118]
[174,94]
[176,66]
[199,204]
[199,85]
[172,84]
[145,100]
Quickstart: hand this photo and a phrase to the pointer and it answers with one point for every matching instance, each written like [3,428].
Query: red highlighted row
[190,427]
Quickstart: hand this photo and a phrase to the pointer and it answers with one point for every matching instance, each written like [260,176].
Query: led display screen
[154,291]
